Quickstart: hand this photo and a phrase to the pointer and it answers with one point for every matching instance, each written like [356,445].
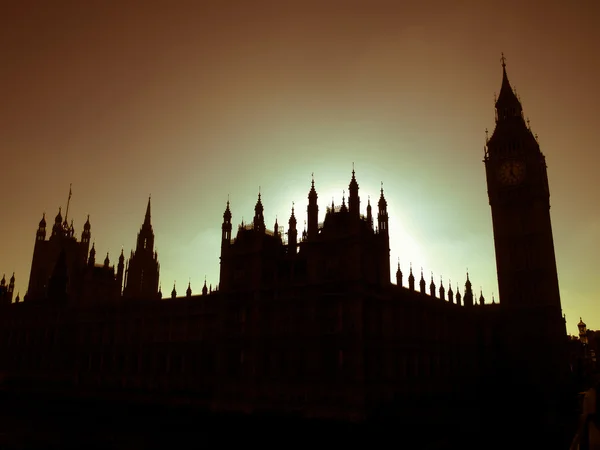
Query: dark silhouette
[305,324]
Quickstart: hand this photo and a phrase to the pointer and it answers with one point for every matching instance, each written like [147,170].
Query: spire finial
[503,60]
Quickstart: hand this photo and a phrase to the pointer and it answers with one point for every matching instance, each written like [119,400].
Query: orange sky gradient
[191,103]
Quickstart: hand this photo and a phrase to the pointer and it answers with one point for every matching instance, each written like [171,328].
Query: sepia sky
[194,101]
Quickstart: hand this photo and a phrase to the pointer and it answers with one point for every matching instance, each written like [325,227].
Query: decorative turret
[226,227]
[353,198]
[106,261]
[422,283]
[481,298]
[450,293]
[458,296]
[204,288]
[382,216]
[312,211]
[442,290]
[276,227]
[57,227]
[174,291]
[292,233]
[399,274]
[188,291]
[41,231]
[468,298]
[343,208]
[259,220]
[411,279]
[432,287]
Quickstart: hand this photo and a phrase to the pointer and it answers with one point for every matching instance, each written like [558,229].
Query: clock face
[511,172]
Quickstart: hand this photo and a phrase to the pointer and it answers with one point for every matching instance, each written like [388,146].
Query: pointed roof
[147,217]
[353,186]
[507,97]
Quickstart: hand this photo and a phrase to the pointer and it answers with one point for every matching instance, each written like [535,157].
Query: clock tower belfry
[519,198]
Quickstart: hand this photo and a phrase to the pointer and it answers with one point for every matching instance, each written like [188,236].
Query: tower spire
[68,202]
[147,217]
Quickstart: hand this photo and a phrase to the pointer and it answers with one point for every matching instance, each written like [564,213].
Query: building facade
[309,323]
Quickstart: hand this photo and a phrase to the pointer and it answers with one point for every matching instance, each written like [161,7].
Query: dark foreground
[47,422]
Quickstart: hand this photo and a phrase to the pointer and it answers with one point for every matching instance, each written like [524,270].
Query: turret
[468,298]
[204,288]
[259,220]
[442,290]
[422,283]
[353,198]
[411,280]
[292,233]
[226,227]
[41,231]
[432,287]
[399,274]
[450,293]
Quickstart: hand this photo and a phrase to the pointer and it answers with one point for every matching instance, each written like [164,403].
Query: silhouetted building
[310,323]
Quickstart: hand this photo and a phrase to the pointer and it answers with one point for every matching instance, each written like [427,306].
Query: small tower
[369,213]
[174,291]
[353,198]
[226,227]
[481,298]
[432,287]
[188,292]
[85,238]
[399,275]
[41,231]
[382,216]
[422,283]
[292,234]
[468,298]
[450,293]
[204,288]
[411,279]
[259,219]
[442,290]
[458,296]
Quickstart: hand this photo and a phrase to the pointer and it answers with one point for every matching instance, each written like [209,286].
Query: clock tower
[520,202]
[534,328]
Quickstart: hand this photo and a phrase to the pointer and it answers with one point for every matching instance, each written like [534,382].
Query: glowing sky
[192,103]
